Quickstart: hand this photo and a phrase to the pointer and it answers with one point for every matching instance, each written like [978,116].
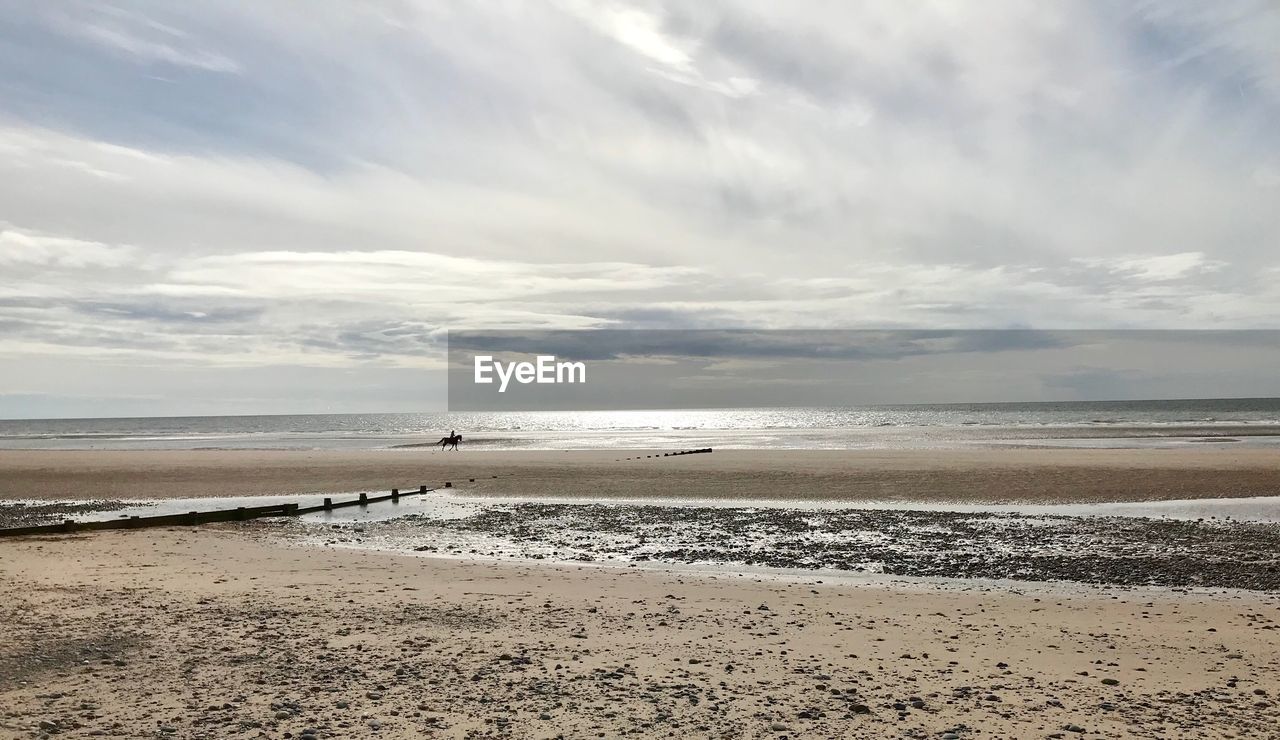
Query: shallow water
[1262,509]
[973,542]
[1216,543]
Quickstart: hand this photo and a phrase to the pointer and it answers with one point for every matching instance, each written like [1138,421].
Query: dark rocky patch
[1127,551]
[23,514]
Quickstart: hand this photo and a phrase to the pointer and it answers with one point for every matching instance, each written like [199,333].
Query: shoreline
[863,438]
[978,475]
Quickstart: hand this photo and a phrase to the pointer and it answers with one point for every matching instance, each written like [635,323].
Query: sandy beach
[977,474]
[208,633]
[264,630]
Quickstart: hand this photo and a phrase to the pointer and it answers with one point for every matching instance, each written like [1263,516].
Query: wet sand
[969,474]
[1136,551]
[213,633]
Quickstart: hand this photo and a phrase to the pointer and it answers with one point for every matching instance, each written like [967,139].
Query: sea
[1246,421]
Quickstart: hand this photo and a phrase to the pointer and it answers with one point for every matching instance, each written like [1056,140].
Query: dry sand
[226,633]
[977,474]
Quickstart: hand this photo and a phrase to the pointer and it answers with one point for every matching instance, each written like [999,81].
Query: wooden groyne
[245,513]
[671,454]
[194,518]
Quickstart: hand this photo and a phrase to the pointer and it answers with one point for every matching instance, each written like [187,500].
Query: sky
[239,207]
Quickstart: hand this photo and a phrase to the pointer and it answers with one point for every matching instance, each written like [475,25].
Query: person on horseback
[452,440]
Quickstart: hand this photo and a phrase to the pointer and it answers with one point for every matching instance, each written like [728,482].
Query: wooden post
[193,518]
[422,489]
[395,495]
[364,499]
[447,484]
[291,509]
[328,504]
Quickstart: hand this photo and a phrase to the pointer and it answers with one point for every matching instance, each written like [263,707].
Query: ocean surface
[1250,421]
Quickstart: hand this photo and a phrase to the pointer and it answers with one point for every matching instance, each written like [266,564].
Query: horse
[445,442]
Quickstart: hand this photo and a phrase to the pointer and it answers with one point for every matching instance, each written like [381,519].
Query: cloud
[634,28]
[238,183]
[139,38]
[25,249]
[1158,268]
[386,275]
